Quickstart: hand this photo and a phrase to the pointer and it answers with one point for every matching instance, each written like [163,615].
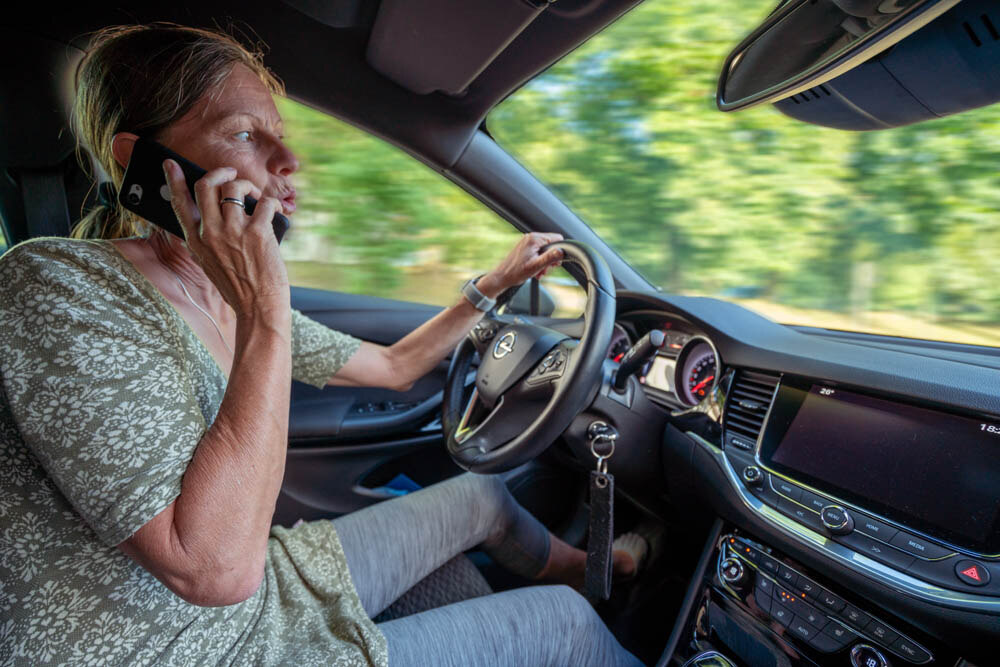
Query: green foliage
[625,129]
[372,214]
[894,231]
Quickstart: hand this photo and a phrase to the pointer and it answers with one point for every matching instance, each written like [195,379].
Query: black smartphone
[145,191]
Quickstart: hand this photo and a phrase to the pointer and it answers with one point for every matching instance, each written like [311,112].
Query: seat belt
[46,210]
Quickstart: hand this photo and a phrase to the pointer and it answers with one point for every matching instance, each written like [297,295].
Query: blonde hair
[141,79]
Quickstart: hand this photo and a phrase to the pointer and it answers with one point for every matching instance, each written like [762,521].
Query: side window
[372,220]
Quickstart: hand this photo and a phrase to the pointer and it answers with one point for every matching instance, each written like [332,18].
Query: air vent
[981,31]
[817,93]
[746,406]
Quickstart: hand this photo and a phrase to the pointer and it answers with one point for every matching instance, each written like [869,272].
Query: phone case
[145,191]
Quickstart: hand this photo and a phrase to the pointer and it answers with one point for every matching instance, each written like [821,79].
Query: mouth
[288,203]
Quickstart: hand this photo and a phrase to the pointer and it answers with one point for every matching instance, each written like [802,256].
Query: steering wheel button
[972,573]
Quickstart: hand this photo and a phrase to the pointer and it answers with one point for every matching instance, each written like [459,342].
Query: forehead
[242,93]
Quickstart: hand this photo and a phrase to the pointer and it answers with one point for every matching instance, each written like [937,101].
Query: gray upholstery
[456,580]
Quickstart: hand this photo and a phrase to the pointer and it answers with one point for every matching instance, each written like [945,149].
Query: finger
[234,216]
[545,261]
[548,237]
[551,257]
[207,195]
[260,221]
[180,199]
[240,188]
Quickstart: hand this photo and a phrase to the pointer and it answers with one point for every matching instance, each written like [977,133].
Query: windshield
[894,232]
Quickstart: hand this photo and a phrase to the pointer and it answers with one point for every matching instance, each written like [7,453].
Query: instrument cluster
[684,371]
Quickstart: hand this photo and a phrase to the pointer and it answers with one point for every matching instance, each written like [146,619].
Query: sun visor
[443,45]
[946,67]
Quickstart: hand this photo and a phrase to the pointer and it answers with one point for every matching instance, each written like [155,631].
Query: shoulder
[53,256]
[84,268]
[49,285]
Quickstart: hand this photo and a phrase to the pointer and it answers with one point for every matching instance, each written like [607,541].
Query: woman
[144,420]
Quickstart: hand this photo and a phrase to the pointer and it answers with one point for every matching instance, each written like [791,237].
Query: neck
[173,253]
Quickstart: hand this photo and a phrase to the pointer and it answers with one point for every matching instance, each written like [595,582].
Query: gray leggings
[394,544]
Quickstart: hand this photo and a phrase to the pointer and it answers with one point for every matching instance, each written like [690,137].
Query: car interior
[811,496]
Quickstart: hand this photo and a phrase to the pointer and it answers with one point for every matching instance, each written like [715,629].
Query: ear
[121,147]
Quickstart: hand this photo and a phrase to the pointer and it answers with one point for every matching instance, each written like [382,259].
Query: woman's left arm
[399,365]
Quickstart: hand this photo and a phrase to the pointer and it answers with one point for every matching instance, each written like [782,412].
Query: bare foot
[622,563]
[567,564]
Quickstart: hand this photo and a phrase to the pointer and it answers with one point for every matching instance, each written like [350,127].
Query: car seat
[43,191]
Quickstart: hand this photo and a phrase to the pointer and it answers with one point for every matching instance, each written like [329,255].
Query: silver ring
[234,200]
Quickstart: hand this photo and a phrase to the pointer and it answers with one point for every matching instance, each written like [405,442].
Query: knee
[494,503]
[577,612]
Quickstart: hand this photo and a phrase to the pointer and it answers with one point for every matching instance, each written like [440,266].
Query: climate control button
[732,571]
[864,655]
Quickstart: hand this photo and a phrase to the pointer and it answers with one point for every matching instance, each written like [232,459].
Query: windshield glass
[894,232]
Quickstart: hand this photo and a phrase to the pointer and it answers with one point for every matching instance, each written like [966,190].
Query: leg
[394,544]
[539,625]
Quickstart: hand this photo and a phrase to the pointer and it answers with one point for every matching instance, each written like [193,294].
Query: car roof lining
[326,68]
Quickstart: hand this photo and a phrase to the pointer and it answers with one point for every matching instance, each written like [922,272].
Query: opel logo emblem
[505,345]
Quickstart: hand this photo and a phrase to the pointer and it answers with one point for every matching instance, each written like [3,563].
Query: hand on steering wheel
[532,381]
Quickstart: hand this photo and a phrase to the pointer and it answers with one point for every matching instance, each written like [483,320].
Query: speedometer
[696,371]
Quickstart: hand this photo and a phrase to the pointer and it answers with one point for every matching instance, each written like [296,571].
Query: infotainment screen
[930,470]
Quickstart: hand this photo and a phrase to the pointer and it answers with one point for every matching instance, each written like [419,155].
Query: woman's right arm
[209,545]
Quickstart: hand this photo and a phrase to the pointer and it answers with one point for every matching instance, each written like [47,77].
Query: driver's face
[238,126]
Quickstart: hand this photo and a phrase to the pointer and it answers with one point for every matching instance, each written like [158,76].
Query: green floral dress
[106,392]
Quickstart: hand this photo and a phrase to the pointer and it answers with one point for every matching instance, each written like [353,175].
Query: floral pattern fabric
[106,392]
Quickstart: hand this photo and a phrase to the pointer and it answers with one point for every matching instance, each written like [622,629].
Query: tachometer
[620,344]
[696,371]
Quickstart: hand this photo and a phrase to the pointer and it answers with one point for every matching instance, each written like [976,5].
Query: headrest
[36,94]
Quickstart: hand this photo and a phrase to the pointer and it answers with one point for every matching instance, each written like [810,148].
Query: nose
[283,160]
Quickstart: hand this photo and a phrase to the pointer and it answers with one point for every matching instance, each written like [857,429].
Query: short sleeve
[97,382]
[318,351]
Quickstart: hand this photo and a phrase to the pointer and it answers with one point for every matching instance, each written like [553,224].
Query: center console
[757,606]
[855,529]
[909,487]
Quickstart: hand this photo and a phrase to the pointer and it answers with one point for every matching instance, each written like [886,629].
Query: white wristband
[478,300]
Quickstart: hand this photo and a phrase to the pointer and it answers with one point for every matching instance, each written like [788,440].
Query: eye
[242,136]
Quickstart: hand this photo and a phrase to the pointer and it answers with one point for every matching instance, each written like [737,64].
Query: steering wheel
[532,381]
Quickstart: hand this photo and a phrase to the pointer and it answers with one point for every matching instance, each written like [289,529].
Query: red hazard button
[972,573]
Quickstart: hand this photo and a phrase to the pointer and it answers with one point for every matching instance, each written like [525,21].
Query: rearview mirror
[804,43]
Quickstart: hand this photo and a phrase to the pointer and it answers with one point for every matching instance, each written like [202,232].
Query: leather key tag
[597,581]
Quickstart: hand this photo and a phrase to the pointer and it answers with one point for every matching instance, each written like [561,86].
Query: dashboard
[866,468]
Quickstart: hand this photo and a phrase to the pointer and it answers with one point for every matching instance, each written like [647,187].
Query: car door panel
[345,442]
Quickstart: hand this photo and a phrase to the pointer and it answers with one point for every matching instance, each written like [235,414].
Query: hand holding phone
[145,191]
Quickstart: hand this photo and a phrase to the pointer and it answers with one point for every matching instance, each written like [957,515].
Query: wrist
[490,286]
[276,313]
